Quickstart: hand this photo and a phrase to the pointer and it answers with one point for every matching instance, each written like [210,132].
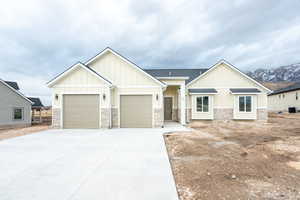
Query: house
[282,99]
[15,108]
[111,91]
[36,109]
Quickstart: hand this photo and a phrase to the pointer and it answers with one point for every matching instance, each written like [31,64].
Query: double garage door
[83,111]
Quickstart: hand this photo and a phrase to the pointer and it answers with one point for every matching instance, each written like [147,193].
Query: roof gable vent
[170,73]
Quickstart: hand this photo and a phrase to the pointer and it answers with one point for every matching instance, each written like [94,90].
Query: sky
[40,39]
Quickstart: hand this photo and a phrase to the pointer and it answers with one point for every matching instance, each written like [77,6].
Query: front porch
[174,101]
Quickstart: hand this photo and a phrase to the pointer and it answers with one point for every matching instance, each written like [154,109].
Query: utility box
[292,109]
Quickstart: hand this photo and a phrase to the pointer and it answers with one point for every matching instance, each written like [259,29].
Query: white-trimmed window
[202,104]
[18,113]
[245,103]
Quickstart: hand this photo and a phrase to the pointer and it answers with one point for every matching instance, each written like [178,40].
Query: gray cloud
[39,39]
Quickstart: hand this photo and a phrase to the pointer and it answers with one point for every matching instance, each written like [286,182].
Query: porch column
[182,104]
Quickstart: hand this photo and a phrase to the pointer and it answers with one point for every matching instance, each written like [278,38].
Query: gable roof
[73,67]
[13,84]
[290,88]
[36,102]
[232,67]
[16,91]
[108,49]
[190,73]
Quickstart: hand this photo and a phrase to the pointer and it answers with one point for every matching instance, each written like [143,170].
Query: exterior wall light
[156,97]
[56,96]
[104,97]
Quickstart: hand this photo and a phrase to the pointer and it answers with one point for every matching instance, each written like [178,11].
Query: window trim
[245,106]
[22,113]
[208,104]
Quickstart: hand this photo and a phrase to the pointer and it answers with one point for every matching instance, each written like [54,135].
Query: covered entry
[136,111]
[81,111]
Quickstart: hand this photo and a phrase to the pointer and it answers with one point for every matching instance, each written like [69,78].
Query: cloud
[40,39]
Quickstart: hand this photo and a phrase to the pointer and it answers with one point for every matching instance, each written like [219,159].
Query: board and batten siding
[119,72]
[281,102]
[9,100]
[222,78]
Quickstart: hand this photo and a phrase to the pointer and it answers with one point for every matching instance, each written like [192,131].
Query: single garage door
[136,111]
[81,111]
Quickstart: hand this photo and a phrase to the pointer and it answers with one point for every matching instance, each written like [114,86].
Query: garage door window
[18,113]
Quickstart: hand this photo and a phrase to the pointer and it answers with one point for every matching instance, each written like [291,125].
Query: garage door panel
[136,111]
[81,111]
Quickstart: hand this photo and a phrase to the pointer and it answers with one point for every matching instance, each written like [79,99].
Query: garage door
[81,111]
[136,111]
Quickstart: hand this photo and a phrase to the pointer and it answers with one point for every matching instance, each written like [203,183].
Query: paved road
[116,164]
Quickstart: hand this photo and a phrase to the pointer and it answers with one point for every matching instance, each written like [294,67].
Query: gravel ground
[15,132]
[238,160]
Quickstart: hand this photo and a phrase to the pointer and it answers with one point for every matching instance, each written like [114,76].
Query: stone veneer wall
[262,114]
[105,114]
[223,113]
[56,118]
[188,114]
[115,117]
[175,114]
[158,117]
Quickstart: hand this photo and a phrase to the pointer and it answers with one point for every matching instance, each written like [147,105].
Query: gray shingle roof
[36,102]
[191,73]
[245,90]
[290,88]
[203,90]
[13,84]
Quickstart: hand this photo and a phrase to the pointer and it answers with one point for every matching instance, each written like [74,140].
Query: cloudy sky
[40,39]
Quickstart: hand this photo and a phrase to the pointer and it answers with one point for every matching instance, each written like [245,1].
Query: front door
[168,104]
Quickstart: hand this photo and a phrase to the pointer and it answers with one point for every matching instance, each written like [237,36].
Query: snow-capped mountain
[289,73]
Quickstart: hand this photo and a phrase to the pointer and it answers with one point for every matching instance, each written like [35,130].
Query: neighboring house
[15,108]
[111,91]
[36,109]
[282,99]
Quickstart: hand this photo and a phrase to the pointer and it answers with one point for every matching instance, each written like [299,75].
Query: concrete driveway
[87,164]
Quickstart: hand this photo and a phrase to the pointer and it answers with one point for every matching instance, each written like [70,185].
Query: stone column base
[223,113]
[115,117]
[158,117]
[105,115]
[56,118]
[262,114]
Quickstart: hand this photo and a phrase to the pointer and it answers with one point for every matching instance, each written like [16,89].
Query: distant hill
[287,73]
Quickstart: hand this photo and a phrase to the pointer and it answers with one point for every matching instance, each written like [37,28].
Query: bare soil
[238,159]
[15,132]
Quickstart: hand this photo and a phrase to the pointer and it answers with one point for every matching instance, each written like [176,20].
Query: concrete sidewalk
[87,164]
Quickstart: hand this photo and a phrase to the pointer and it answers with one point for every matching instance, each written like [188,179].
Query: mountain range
[287,73]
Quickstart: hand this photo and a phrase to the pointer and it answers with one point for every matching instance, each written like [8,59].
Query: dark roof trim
[13,84]
[36,102]
[290,88]
[244,90]
[203,91]
[16,91]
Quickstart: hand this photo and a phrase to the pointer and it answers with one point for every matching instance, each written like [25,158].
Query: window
[245,103]
[202,104]
[18,114]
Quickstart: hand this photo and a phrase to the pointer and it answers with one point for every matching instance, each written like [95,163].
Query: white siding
[222,78]
[286,99]
[121,73]
[9,100]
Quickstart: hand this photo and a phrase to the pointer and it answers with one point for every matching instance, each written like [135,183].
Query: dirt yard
[15,132]
[238,160]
